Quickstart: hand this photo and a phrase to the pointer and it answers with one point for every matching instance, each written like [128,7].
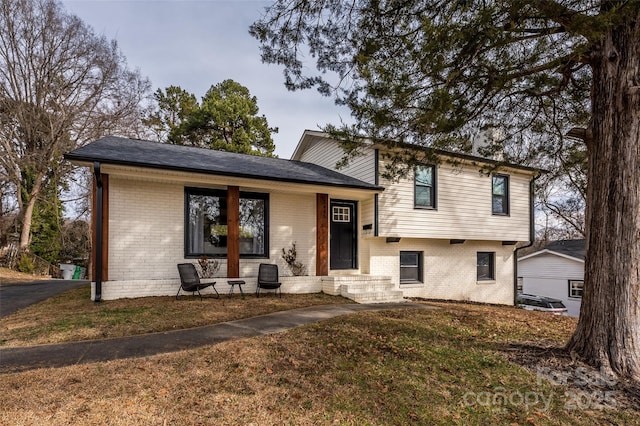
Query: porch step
[363,288]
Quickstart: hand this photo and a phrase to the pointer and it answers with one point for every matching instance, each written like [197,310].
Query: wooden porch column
[322,234]
[105,228]
[233,232]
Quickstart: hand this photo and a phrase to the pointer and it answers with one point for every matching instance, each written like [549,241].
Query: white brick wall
[449,269]
[138,288]
[146,229]
[293,219]
[146,239]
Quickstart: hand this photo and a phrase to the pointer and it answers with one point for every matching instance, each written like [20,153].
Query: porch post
[233,232]
[100,230]
[322,234]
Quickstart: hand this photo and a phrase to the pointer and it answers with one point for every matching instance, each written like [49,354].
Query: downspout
[98,242]
[376,181]
[532,237]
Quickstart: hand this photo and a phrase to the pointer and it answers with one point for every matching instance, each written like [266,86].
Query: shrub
[25,264]
[290,256]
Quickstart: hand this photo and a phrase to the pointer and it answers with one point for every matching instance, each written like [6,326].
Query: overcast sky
[195,44]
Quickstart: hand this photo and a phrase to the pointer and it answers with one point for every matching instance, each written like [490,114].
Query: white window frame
[341,214]
[572,289]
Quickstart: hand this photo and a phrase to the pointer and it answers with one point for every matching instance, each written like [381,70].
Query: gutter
[98,216]
[532,237]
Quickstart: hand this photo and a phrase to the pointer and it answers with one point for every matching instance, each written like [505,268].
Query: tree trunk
[608,331]
[27,214]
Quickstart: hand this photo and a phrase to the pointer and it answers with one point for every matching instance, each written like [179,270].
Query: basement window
[411,267]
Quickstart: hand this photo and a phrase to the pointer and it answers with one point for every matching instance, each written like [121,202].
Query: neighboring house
[556,271]
[449,232]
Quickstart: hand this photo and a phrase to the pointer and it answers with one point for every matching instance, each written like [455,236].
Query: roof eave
[85,161]
[555,253]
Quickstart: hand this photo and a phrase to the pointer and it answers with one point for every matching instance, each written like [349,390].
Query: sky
[195,44]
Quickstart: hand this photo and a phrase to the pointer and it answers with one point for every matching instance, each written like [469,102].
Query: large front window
[206,223]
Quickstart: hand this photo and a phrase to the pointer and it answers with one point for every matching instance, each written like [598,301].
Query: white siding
[551,266]
[450,270]
[549,275]
[463,207]
[367,215]
[327,153]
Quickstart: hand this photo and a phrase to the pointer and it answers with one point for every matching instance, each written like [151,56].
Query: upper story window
[425,187]
[206,223]
[500,194]
[575,288]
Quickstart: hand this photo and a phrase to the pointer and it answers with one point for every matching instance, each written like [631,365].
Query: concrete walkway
[59,355]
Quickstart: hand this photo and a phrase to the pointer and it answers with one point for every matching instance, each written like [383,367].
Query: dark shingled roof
[133,152]
[573,248]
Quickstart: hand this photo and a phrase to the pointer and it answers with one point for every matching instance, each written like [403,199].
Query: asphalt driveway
[17,296]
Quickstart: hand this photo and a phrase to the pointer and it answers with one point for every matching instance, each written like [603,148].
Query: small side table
[234,283]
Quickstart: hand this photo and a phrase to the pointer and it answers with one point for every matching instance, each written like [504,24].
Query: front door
[344,241]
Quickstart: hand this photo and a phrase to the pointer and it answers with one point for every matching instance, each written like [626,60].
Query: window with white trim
[575,289]
[341,214]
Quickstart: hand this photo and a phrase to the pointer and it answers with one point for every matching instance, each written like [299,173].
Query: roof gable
[549,252]
[133,152]
[311,136]
[569,249]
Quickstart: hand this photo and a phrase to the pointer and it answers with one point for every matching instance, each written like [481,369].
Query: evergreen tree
[46,232]
[227,119]
[430,71]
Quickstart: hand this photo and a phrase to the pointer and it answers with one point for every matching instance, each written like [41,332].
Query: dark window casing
[486,266]
[411,267]
[424,187]
[206,224]
[500,194]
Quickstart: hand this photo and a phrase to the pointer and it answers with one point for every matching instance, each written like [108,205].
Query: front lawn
[461,364]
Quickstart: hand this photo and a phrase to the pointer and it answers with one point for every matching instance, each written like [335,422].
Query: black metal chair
[268,278]
[190,280]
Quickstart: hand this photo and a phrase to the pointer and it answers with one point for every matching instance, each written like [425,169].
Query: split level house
[446,231]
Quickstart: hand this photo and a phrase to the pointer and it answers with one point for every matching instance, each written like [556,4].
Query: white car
[541,303]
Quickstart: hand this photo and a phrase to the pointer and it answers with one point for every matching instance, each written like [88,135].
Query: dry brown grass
[72,316]
[379,368]
[9,276]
